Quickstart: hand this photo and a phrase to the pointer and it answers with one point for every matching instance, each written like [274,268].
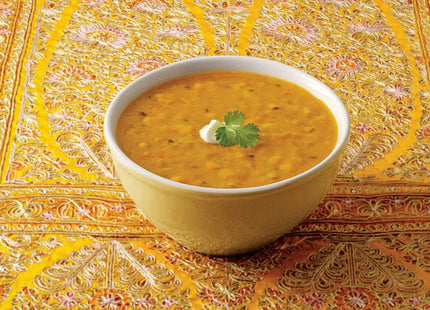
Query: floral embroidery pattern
[68,300]
[367,29]
[72,239]
[356,299]
[103,35]
[292,30]
[176,31]
[71,74]
[150,6]
[109,299]
[222,281]
[345,66]
[397,91]
[144,65]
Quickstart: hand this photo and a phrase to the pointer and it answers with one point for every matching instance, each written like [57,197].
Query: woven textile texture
[70,237]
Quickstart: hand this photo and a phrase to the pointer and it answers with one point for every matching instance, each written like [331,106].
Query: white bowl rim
[110,130]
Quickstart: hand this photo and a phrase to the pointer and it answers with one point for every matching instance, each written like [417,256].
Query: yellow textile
[70,238]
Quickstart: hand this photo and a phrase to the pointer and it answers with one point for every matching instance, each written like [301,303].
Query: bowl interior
[211,63]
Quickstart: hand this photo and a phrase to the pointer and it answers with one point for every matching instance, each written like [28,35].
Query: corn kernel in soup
[159,130]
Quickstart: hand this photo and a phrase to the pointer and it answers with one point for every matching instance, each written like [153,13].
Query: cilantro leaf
[225,137]
[233,133]
[234,118]
[247,135]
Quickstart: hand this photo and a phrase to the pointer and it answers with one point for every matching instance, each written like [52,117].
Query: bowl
[228,221]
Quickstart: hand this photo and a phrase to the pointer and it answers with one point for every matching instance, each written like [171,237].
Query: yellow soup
[160,129]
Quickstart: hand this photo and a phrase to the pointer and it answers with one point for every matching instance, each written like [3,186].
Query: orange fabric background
[70,238]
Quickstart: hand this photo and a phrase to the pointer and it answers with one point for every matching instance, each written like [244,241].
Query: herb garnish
[231,132]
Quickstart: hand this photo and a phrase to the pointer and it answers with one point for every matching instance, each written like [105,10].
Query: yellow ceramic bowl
[226,221]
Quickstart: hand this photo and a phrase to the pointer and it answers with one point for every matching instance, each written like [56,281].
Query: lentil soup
[159,130]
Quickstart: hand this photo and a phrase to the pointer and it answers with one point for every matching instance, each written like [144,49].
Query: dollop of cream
[207,133]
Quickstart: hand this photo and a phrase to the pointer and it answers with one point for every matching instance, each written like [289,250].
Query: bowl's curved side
[226,224]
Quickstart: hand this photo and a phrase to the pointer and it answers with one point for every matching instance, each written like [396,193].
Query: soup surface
[159,130]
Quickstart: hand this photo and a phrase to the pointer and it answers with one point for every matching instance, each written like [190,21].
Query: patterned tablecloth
[70,237]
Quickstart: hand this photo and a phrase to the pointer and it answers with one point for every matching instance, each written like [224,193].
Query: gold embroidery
[70,238]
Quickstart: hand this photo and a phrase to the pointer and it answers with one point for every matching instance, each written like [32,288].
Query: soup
[159,130]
